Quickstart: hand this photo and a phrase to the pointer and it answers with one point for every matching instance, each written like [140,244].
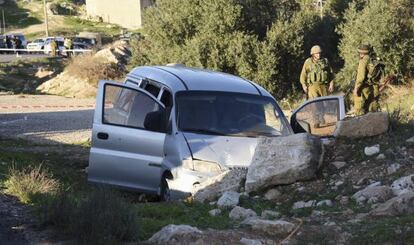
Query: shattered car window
[226,113]
[319,117]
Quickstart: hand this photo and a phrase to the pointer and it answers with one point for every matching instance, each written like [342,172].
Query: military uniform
[365,92]
[315,76]
[53,47]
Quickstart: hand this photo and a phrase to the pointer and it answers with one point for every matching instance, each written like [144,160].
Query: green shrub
[99,217]
[385,25]
[29,182]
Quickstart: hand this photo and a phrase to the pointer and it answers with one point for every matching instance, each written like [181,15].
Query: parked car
[36,45]
[171,127]
[59,41]
[21,37]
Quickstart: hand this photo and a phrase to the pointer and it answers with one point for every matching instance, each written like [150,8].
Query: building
[126,13]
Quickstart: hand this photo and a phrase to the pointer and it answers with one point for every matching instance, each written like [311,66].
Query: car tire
[165,193]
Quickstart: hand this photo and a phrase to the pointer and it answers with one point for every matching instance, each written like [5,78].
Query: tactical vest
[375,71]
[318,72]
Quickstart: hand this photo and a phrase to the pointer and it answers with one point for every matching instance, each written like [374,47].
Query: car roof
[181,78]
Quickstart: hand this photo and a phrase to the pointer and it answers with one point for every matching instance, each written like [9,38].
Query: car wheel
[165,194]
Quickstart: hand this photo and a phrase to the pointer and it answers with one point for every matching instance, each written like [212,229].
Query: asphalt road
[46,118]
[4,58]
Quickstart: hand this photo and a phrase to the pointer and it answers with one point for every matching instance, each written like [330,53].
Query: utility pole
[4,22]
[46,20]
[320,4]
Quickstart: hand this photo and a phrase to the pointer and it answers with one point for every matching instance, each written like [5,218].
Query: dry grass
[92,69]
[26,183]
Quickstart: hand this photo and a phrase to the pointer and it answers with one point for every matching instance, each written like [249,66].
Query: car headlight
[207,166]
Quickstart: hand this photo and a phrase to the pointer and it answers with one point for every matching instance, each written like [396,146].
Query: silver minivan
[168,128]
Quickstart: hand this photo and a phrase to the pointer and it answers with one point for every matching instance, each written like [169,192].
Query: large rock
[363,126]
[270,227]
[214,187]
[400,205]
[171,234]
[403,185]
[283,160]
[373,194]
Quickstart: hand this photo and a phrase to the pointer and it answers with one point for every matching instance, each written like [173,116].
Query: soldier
[315,76]
[365,90]
[53,47]
[68,45]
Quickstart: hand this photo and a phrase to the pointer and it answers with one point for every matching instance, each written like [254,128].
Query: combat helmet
[364,49]
[315,49]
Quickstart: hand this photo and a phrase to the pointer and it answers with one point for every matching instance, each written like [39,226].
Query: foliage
[232,36]
[157,215]
[100,217]
[387,27]
[282,54]
[28,182]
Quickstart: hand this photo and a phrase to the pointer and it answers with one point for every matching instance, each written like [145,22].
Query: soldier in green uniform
[317,79]
[53,47]
[365,90]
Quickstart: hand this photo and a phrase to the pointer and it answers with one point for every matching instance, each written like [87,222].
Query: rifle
[387,80]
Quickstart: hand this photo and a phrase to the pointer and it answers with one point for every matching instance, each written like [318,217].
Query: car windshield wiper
[202,131]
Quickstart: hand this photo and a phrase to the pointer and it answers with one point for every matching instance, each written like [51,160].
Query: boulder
[239,213]
[373,194]
[399,205]
[283,160]
[362,126]
[214,187]
[270,227]
[229,199]
[171,233]
[403,185]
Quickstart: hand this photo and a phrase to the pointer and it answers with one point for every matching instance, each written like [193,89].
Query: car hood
[225,150]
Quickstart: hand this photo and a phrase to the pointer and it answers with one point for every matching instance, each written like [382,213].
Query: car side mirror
[156,121]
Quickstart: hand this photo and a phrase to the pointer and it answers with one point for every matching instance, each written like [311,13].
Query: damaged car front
[218,131]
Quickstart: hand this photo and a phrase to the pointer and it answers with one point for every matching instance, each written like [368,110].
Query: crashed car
[168,128]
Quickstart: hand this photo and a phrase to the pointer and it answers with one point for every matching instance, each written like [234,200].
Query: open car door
[318,116]
[128,137]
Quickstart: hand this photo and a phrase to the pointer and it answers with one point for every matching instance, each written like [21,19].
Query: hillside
[27,17]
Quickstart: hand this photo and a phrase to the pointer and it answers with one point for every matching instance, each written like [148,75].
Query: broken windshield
[226,113]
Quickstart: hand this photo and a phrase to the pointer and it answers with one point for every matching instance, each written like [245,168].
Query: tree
[282,54]
[385,25]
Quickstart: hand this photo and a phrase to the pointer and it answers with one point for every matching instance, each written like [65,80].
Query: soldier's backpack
[376,71]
